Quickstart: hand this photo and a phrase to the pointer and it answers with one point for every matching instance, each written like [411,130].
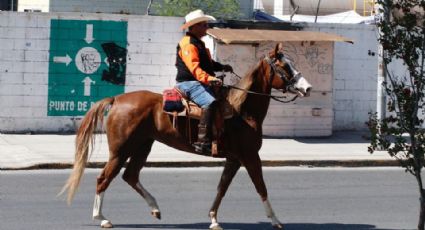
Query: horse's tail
[84,139]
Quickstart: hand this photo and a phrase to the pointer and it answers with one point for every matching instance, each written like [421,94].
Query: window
[8,5]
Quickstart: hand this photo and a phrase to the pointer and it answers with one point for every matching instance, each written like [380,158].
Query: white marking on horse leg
[97,206]
[97,211]
[214,224]
[150,200]
[270,214]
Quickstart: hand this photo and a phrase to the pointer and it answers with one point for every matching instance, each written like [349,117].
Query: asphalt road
[303,199]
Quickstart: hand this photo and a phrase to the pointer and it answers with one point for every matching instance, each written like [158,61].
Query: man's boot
[203,145]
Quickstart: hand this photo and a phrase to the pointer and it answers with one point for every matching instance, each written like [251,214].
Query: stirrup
[202,147]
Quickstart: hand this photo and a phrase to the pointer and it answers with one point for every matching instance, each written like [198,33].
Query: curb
[265,163]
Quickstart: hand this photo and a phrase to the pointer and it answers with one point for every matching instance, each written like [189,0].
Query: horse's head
[289,79]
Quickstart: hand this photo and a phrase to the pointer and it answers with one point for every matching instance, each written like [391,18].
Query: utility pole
[382,75]
[317,11]
[148,10]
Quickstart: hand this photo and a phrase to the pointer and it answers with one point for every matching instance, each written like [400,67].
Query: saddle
[176,104]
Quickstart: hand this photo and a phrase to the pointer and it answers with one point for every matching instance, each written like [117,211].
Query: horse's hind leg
[253,166]
[111,169]
[131,176]
[231,167]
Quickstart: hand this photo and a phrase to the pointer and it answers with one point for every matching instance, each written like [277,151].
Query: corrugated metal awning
[232,36]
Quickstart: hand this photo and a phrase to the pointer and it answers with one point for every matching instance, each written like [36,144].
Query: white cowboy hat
[194,17]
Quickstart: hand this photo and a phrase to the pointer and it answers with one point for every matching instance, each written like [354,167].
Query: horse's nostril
[307,92]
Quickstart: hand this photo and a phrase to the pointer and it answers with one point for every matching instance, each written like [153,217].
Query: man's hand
[215,82]
[227,68]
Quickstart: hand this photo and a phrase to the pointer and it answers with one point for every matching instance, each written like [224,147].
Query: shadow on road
[332,226]
[254,226]
[338,137]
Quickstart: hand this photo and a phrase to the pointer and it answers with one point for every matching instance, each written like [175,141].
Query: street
[303,199]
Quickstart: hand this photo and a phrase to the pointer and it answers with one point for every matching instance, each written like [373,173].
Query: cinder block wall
[24,64]
[355,74]
[151,43]
[308,116]
[23,72]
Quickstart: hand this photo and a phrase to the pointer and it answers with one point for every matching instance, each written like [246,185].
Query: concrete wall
[309,116]
[26,60]
[355,74]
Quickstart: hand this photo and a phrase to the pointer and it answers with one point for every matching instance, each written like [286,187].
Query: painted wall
[49,63]
[310,116]
[355,74]
[36,59]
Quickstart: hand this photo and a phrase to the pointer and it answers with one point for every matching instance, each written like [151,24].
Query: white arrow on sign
[67,59]
[89,33]
[87,86]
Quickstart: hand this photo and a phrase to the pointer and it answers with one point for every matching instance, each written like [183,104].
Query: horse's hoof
[215,227]
[106,224]
[278,226]
[156,214]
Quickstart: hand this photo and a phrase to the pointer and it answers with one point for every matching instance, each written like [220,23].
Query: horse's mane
[237,97]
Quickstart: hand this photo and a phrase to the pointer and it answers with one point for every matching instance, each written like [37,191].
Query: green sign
[87,63]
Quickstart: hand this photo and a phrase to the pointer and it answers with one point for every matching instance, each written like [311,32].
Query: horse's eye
[279,56]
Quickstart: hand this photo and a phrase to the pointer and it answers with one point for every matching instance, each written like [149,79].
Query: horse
[136,119]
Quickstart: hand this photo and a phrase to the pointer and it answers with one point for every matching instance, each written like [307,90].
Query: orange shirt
[190,55]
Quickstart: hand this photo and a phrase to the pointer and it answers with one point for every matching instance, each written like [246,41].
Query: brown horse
[135,120]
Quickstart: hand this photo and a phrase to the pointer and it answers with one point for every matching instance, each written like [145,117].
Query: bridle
[289,83]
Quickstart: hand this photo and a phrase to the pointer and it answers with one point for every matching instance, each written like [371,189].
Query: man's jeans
[197,92]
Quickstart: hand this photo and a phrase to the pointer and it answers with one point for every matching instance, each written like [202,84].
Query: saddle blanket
[177,105]
[172,101]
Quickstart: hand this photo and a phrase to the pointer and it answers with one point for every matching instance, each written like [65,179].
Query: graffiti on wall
[116,59]
[313,55]
[316,58]
[313,59]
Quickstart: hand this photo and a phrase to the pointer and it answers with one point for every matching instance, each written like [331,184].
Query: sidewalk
[57,151]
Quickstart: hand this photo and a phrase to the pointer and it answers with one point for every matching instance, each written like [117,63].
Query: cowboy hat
[195,17]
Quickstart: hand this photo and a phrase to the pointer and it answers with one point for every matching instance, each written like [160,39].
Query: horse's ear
[278,49]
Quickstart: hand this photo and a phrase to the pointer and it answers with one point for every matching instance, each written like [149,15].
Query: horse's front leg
[155,212]
[270,214]
[231,167]
[253,166]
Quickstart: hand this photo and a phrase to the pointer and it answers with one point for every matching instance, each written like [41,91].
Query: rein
[274,97]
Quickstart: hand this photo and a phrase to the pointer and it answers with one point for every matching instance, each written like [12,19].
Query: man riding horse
[195,74]
[135,120]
